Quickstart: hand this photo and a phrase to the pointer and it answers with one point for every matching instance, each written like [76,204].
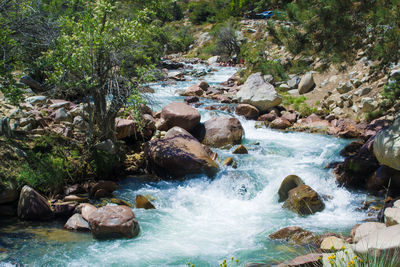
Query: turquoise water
[201,220]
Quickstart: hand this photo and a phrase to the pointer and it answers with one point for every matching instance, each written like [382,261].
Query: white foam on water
[204,220]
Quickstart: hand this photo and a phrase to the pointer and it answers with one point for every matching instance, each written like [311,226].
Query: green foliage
[391,91]
[226,39]
[105,164]
[50,164]
[337,29]
[202,11]
[177,38]
[101,55]
[298,104]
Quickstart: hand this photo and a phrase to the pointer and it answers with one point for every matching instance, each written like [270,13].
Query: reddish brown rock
[178,156]
[143,203]
[222,131]
[113,222]
[86,209]
[193,90]
[180,114]
[267,117]
[291,117]
[106,187]
[280,123]
[246,110]
[125,128]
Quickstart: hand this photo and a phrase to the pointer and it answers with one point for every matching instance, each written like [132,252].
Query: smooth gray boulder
[306,84]
[387,146]
[259,93]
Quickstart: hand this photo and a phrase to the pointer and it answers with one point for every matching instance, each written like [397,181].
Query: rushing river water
[201,220]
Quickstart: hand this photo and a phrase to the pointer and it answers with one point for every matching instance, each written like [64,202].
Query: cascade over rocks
[259,93]
[220,132]
[180,114]
[33,206]
[113,222]
[178,156]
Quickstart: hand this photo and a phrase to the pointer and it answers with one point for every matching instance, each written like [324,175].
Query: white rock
[306,84]
[392,216]
[365,229]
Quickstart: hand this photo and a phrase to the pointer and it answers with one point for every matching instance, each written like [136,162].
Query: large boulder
[179,155]
[306,84]
[222,131]
[33,206]
[387,146]
[259,93]
[290,182]
[303,200]
[180,114]
[113,222]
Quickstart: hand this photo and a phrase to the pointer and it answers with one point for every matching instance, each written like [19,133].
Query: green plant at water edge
[346,258]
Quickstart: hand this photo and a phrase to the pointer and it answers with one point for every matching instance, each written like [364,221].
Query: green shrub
[391,91]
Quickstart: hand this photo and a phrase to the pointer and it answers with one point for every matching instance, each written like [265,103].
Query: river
[200,220]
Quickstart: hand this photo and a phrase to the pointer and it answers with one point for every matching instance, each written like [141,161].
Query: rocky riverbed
[228,203]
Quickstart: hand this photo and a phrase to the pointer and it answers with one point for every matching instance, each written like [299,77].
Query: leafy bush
[391,91]
[51,163]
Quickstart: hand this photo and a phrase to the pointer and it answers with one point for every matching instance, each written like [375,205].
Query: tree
[96,53]
[226,40]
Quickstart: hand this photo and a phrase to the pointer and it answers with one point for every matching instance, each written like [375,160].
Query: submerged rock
[113,222]
[303,200]
[33,206]
[295,235]
[241,149]
[178,156]
[143,203]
